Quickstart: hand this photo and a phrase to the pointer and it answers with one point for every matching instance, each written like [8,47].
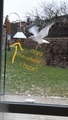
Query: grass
[45,81]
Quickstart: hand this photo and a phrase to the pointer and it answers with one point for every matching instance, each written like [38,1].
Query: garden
[29,74]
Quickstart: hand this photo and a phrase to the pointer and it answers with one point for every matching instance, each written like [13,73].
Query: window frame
[22,107]
[34,108]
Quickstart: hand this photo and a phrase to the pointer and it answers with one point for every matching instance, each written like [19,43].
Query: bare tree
[47,11]
[63,8]
[53,9]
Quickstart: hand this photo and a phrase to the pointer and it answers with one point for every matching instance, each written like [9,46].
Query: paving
[36,99]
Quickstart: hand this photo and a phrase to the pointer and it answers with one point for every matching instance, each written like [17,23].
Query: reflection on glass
[36,70]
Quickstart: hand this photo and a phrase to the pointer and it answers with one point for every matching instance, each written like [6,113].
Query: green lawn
[45,80]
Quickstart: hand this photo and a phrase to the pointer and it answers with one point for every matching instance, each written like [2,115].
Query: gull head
[32,37]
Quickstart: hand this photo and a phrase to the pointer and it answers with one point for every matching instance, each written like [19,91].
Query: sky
[22,7]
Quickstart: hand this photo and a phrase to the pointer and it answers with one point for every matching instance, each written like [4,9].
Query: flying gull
[39,36]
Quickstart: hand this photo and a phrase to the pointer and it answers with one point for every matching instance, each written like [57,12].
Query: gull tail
[45,41]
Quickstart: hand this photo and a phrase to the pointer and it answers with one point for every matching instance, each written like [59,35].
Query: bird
[39,36]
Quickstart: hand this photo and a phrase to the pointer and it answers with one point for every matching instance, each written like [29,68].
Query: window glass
[35,60]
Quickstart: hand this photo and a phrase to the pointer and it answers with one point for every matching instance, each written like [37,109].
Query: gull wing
[34,30]
[44,32]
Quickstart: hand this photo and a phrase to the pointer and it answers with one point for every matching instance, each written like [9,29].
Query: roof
[19,35]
